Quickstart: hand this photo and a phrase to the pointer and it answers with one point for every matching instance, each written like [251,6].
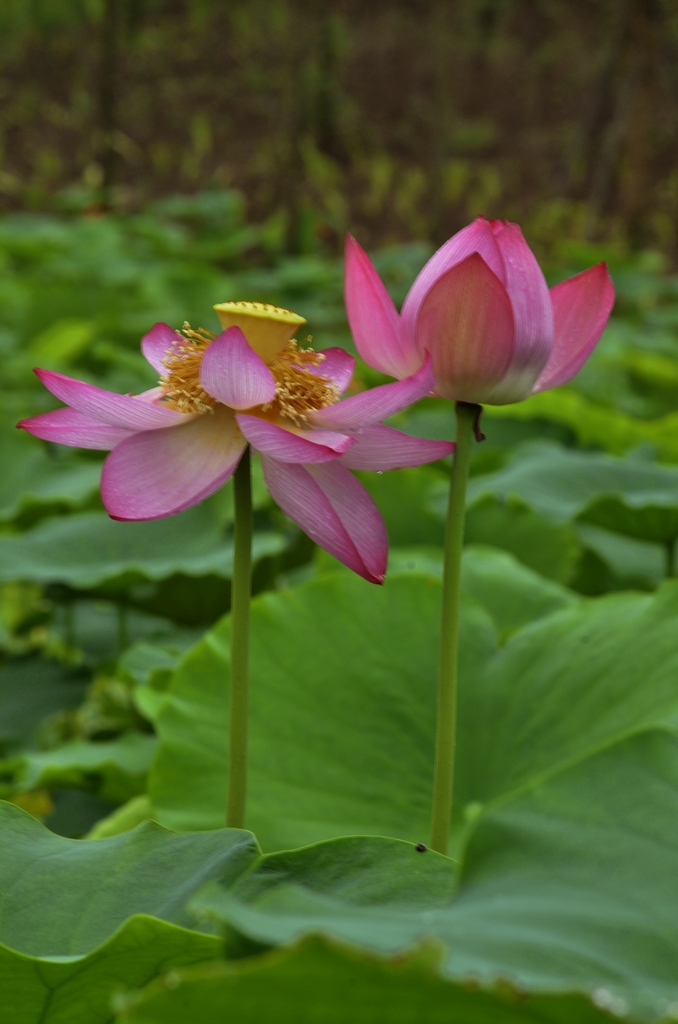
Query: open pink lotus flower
[483,311]
[173,446]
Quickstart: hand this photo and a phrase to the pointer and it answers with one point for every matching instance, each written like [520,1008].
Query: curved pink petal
[67,426]
[381,447]
[532,311]
[358,411]
[156,344]
[292,445]
[161,472]
[466,323]
[581,309]
[126,411]
[372,317]
[233,373]
[476,237]
[335,510]
[338,365]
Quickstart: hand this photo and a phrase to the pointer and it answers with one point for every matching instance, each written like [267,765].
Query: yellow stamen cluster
[298,391]
[181,384]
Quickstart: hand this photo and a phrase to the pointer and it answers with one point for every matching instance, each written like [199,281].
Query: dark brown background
[396,118]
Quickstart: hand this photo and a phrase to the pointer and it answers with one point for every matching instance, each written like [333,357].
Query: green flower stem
[241,589]
[446,726]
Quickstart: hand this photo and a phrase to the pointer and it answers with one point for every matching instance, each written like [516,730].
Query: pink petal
[476,237]
[161,472]
[67,426]
[381,447]
[358,411]
[532,313]
[292,445]
[233,373]
[338,365]
[466,323]
[335,510]
[126,411]
[373,319]
[156,344]
[581,309]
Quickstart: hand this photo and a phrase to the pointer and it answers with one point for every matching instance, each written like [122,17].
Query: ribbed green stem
[241,589]
[446,725]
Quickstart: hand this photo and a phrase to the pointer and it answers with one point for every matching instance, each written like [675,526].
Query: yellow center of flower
[181,384]
[298,391]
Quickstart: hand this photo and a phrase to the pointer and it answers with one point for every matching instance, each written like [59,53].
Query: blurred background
[158,156]
[399,119]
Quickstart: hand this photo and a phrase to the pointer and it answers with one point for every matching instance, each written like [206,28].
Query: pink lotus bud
[483,311]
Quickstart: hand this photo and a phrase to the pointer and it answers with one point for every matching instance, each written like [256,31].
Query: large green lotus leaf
[91,549]
[319,981]
[574,881]
[343,694]
[566,685]
[630,496]
[341,714]
[511,592]
[116,769]
[567,886]
[64,897]
[72,914]
[34,483]
[376,892]
[31,689]
[80,989]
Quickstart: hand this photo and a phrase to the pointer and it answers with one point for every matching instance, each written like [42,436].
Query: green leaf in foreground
[70,929]
[79,990]
[567,887]
[341,713]
[343,704]
[319,981]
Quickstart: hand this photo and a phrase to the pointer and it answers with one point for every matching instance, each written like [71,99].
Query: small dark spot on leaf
[421,847]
